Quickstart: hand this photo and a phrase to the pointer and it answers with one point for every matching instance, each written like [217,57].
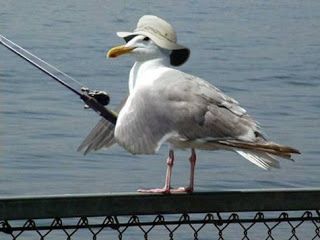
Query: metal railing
[243,214]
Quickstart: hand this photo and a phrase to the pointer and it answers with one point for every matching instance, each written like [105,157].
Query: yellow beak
[119,50]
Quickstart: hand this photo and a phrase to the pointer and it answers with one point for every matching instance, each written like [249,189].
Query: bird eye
[129,38]
[146,39]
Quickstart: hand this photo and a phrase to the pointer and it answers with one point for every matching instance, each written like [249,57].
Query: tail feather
[262,153]
[261,159]
[266,147]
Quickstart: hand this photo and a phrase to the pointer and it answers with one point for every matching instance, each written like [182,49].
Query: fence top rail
[120,204]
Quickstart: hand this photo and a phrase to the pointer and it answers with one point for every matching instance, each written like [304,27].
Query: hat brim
[160,41]
[179,55]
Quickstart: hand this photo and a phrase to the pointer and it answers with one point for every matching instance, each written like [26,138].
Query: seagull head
[141,47]
[153,38]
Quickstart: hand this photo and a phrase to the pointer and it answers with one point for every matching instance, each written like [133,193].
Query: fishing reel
[100,96]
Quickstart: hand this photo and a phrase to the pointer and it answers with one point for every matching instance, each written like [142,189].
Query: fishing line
[93,99]
[39,59]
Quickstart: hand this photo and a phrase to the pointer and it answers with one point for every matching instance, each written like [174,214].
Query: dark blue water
[266,54]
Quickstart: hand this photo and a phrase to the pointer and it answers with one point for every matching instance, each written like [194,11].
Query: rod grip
[96,106]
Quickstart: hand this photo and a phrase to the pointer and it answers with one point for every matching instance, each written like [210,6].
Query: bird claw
[167,191]
[182,190]
[155,190]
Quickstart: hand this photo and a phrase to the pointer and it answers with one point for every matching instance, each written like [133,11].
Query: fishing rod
[93,99]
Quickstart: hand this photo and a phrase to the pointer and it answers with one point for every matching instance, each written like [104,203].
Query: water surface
[264,54]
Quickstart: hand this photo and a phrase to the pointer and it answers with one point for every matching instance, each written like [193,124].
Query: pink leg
[167,185]
[190,188]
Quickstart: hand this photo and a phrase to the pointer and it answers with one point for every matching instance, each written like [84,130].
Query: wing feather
[101,136]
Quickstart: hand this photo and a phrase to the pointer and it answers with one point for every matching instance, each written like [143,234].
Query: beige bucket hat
[163,34]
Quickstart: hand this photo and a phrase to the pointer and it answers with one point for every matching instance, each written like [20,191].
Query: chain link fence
[297,224]
[260,225]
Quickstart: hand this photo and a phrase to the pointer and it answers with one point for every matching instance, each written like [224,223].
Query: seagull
[166,105]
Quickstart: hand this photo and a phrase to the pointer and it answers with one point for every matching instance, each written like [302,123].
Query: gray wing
[181,107]
[208,112]
[141,124]
[101,136]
